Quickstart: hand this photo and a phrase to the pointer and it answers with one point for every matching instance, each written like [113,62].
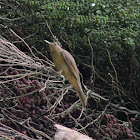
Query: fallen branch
[68,134]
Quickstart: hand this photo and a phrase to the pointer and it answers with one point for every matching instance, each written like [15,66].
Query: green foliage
[109,24]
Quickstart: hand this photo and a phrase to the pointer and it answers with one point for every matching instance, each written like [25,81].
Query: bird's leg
[60,72]
[69,87]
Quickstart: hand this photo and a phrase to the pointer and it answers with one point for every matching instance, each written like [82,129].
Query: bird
[66,65]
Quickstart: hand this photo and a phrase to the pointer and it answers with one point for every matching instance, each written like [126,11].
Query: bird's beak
[47,42]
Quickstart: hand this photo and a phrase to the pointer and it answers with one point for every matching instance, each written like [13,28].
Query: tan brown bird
[66,65]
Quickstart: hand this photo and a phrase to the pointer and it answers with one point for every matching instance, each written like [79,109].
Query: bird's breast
[60,64]
[58,60]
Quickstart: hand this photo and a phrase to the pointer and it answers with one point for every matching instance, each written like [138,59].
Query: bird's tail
[82,96]
[83,99]
[77,85]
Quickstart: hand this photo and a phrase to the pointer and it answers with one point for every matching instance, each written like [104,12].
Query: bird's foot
[63,79]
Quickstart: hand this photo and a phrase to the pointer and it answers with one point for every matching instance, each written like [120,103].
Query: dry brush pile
[33,98]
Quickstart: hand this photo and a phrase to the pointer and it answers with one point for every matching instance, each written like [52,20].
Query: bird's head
[53,45]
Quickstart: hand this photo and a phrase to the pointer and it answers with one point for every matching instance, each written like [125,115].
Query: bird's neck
[55,50]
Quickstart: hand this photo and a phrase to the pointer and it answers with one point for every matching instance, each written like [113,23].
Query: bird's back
[71,64]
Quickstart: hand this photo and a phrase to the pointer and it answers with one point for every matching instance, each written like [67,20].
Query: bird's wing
[71,64]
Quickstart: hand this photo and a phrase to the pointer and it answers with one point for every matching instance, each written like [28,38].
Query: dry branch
[10,54]
[64,133]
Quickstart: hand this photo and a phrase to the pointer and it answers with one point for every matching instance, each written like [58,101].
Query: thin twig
[116,75]
[51,31]
[92,78]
